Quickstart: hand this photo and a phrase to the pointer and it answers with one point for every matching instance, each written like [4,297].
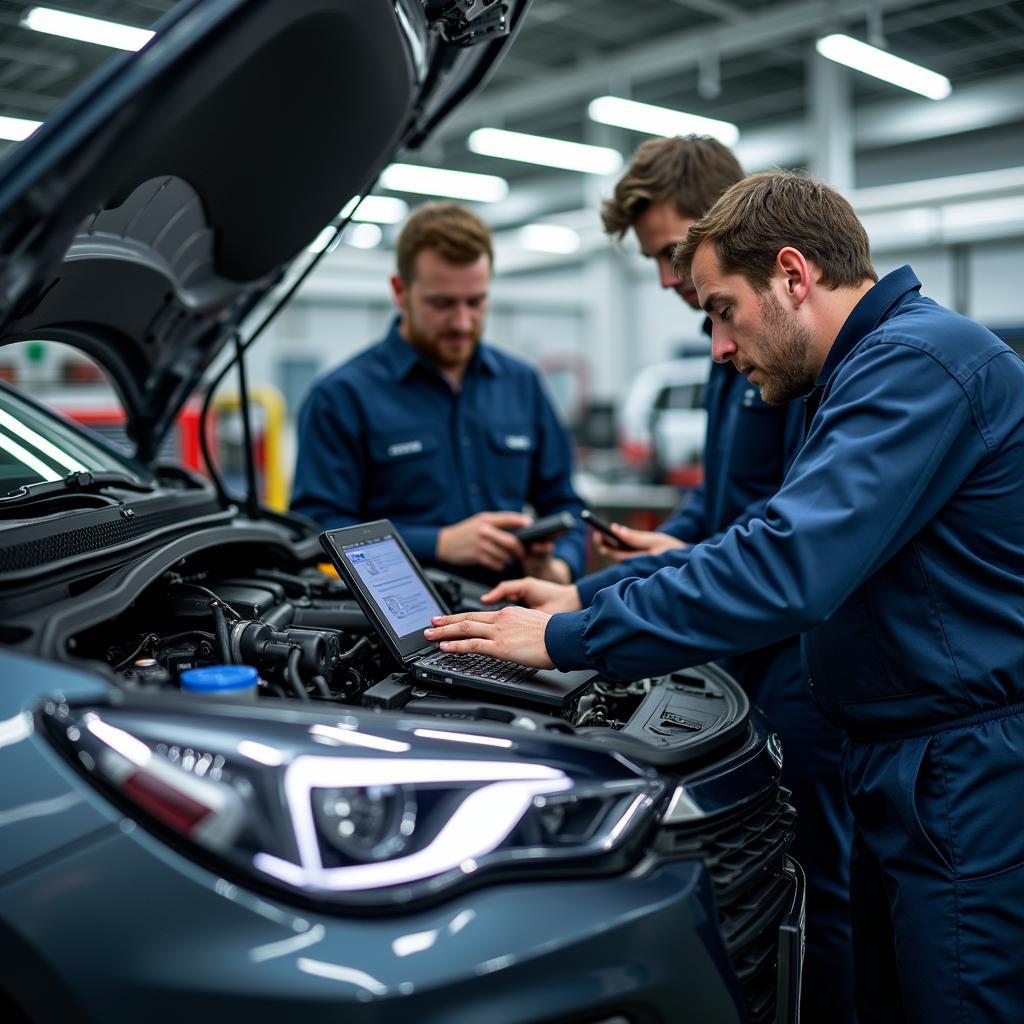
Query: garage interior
[938,183]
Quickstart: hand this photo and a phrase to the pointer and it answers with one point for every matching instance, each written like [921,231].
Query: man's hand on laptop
[512,634]
[543,595]
[482,539]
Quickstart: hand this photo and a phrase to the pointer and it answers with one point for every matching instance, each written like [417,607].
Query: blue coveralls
[896,545]
[749,447]
[384,436]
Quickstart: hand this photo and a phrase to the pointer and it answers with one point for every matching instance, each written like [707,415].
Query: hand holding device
[545,528]
[486,539]
[604,528]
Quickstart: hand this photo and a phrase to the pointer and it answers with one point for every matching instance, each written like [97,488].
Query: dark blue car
[220,797]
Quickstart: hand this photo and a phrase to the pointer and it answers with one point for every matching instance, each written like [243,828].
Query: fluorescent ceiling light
[88,30]
[549,238]
[645,117]
[872,61]
[536,149]
[17,128]
[433,181]
[363,236]
[375,209]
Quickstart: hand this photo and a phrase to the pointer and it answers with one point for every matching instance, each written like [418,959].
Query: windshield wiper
[78,481]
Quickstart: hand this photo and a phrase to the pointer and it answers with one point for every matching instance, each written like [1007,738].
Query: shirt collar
[869,312]
[403,358]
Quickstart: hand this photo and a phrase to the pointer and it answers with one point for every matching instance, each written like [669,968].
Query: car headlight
[364,811]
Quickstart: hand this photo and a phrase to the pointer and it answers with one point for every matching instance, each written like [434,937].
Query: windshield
[37,448]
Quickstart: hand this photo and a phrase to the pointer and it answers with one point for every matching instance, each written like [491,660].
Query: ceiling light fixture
[552,238]
[654,120]
[880,64]
[537,149]
[85,29]
[363,236]
[375,209]
[433,181]
[17,128]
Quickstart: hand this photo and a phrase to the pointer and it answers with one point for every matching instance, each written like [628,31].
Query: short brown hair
[767,212]
[457,235]
[690,172]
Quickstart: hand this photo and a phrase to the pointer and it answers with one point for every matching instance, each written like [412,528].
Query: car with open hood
[220,796]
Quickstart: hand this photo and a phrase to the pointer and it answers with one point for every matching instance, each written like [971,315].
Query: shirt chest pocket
[406,472]
[511,450]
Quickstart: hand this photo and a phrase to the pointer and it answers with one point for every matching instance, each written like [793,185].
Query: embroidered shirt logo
[517,442]
[748,396]
[405,448]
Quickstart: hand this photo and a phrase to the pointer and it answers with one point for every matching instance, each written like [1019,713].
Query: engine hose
[220,629]
[291,672]
[322,688]
[359,645]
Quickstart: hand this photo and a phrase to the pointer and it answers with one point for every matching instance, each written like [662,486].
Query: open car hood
[159,203]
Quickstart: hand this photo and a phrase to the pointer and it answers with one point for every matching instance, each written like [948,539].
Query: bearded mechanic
[436,430]
[895,546]
[749,445]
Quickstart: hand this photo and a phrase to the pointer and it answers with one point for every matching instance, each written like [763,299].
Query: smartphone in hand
[601,526]
[546,528]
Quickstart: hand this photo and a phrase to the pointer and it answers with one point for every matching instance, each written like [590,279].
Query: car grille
[745,854]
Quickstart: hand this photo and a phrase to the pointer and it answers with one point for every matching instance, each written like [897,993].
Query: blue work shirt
[896,543]
[748,448]
[384,436]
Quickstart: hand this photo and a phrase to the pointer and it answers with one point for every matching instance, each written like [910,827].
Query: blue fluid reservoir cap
[219,679]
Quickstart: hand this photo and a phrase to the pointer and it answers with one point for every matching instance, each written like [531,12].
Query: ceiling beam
[591,77]
[716,8]
[894,122]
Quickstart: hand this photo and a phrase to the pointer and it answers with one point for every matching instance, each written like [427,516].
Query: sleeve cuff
[571,550]
[684,528]
[422,541]
[563,638]
[589,586]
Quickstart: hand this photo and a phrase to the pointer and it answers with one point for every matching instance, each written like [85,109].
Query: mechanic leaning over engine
[441,433]
[750,444]
[895,546]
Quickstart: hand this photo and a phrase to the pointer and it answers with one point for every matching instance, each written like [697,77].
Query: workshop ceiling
[740,61]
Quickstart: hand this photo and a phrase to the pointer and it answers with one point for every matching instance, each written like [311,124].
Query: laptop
[399,600]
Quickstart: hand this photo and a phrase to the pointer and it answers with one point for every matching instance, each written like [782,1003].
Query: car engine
[310,641]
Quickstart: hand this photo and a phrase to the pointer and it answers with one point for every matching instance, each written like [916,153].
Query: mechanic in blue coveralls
[896,547]
[669,184]
[437,431]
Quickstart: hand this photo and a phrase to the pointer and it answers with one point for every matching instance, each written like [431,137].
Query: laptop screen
[386,579]
[399,600]
[395,585]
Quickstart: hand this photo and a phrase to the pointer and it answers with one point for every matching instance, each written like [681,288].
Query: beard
[447,350]
[783,354]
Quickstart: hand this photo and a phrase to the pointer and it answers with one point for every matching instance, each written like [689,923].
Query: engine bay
[311,643]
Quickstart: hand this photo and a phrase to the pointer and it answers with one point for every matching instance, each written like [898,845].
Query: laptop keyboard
[483,666]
